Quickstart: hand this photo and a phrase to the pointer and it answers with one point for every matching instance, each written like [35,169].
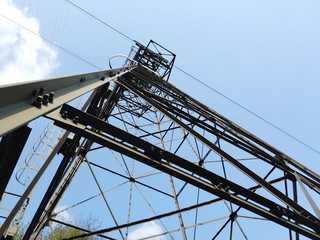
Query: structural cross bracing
[165,157]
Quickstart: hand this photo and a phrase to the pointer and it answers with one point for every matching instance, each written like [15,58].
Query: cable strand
[51,42]
[248,110]
[99,20]
[178,68]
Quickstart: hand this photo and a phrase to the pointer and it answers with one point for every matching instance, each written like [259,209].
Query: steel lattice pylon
[156,155]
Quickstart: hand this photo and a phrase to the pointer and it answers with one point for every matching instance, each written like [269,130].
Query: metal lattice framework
[156,154]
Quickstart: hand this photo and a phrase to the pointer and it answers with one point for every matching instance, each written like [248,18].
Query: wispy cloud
[147,230]
[23,55]
[62,214]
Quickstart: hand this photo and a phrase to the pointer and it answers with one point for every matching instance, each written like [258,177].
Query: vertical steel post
[11,146]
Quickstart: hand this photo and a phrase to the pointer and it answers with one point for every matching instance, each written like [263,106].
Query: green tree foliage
[58,231]
[20,232]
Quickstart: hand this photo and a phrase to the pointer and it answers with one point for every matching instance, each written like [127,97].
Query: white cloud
[23,55]
[62,214]
[147,230]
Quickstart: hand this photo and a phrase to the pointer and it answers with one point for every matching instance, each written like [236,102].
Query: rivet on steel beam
[41,90]
[51,97]
[64,115]
[38,102]
[45,99]
[76,120]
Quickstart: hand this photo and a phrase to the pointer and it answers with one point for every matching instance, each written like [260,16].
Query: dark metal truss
[140,150]
[154,57]
[140,98]
[144,91]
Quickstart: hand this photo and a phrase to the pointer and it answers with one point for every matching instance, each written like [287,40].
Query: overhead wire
[178,68]
[99,20]
[51,42]
[248,110]
[204,84]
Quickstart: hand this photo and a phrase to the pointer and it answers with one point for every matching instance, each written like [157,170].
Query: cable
[99,20]
[52,43]
[248,110]
[178,68]
[206,85]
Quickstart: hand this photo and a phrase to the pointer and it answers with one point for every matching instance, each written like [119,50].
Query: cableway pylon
[155,155]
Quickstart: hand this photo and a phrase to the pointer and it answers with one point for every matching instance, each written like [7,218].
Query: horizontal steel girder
[155,101]
[214,117]
[178,167]
[24,102]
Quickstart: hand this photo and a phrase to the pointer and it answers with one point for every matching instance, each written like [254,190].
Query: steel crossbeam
[140,97]
[178,167]
[22,102]
[169,113]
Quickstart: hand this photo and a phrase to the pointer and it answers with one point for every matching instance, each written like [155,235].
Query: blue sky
[264,55]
